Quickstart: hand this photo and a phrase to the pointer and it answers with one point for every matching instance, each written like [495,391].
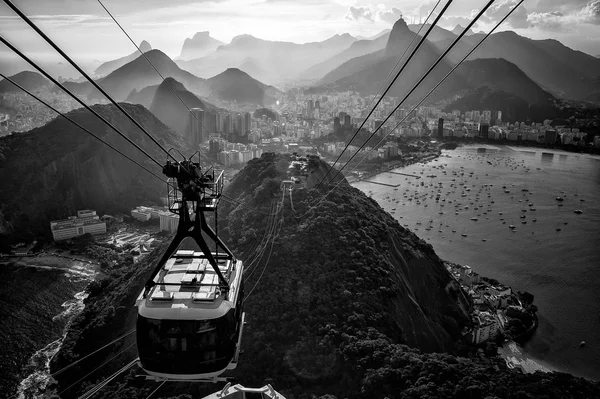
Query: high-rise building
[228,124]
[317,105]
[196,132]
[336,123]
[247,122]
[347,120]
[551,136]
[440,132]
[239,124]
[484,130]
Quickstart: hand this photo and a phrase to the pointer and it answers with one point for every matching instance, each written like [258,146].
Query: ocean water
[36,306]
[560,268]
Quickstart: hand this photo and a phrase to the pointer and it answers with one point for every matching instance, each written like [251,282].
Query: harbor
[497,211]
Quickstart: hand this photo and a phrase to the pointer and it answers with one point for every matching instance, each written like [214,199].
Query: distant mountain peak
[201,35]
[145,46]
[400,37]
[458,29]
[243,38]
[173,83]
[199,45]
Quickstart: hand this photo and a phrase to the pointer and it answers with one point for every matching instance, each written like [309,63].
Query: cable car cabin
[187,329]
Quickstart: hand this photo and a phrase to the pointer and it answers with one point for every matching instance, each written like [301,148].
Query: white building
[142,214]
[486,328]
[169,221]
[85,222]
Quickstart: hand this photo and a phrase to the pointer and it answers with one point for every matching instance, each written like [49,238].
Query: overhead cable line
[81,127]
[85,75]
[387,78]
[93,353]
[429,93]
[268,259]
[425,75]
[410,56]
[97,368]
[107,381]
[47,75]
[153,67]
[156,390]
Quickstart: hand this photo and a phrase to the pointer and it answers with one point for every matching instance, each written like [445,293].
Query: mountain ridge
[198,46]
[109,66]
[28,79]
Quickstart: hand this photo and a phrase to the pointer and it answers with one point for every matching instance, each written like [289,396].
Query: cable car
[190,312]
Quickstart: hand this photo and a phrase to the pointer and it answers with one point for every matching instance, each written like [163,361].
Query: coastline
[510,351]
[395,165]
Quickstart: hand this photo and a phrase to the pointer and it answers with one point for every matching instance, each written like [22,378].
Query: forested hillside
[344,303]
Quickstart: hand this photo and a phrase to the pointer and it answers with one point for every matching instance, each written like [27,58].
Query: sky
[84,30]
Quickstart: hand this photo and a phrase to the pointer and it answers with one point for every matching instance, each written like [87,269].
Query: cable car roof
[188,287]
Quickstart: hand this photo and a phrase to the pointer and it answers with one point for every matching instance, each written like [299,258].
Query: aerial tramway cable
[432,90]
[410,56]
[81,127]
[268,259]
[269,235]
[403,54]
[85,75]
[108,380]
[156,390]
[425,75]
[92,353]
[48,76]
[97,368]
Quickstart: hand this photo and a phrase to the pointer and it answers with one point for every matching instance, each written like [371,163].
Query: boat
[474,218]
[578,211]
[582,344]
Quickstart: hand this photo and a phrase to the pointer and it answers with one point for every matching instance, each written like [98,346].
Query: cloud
[391,15]
[499,9]
[591,12]
[358,13]
[553,20]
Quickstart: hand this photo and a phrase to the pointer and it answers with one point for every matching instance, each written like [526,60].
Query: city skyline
[84,29]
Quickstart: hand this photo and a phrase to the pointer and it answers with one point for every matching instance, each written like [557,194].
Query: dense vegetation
[344,303]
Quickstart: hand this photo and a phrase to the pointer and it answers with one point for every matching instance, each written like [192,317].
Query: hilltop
[236,85]
[109,66]
[29,80]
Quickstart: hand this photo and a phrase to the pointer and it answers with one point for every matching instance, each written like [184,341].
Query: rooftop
[188,277]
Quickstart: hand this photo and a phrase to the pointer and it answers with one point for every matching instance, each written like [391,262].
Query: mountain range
[198,46]
[367,73]
[110,66]
[29,80]
[564,72]
[278,59]
[525,97]
[136,81]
